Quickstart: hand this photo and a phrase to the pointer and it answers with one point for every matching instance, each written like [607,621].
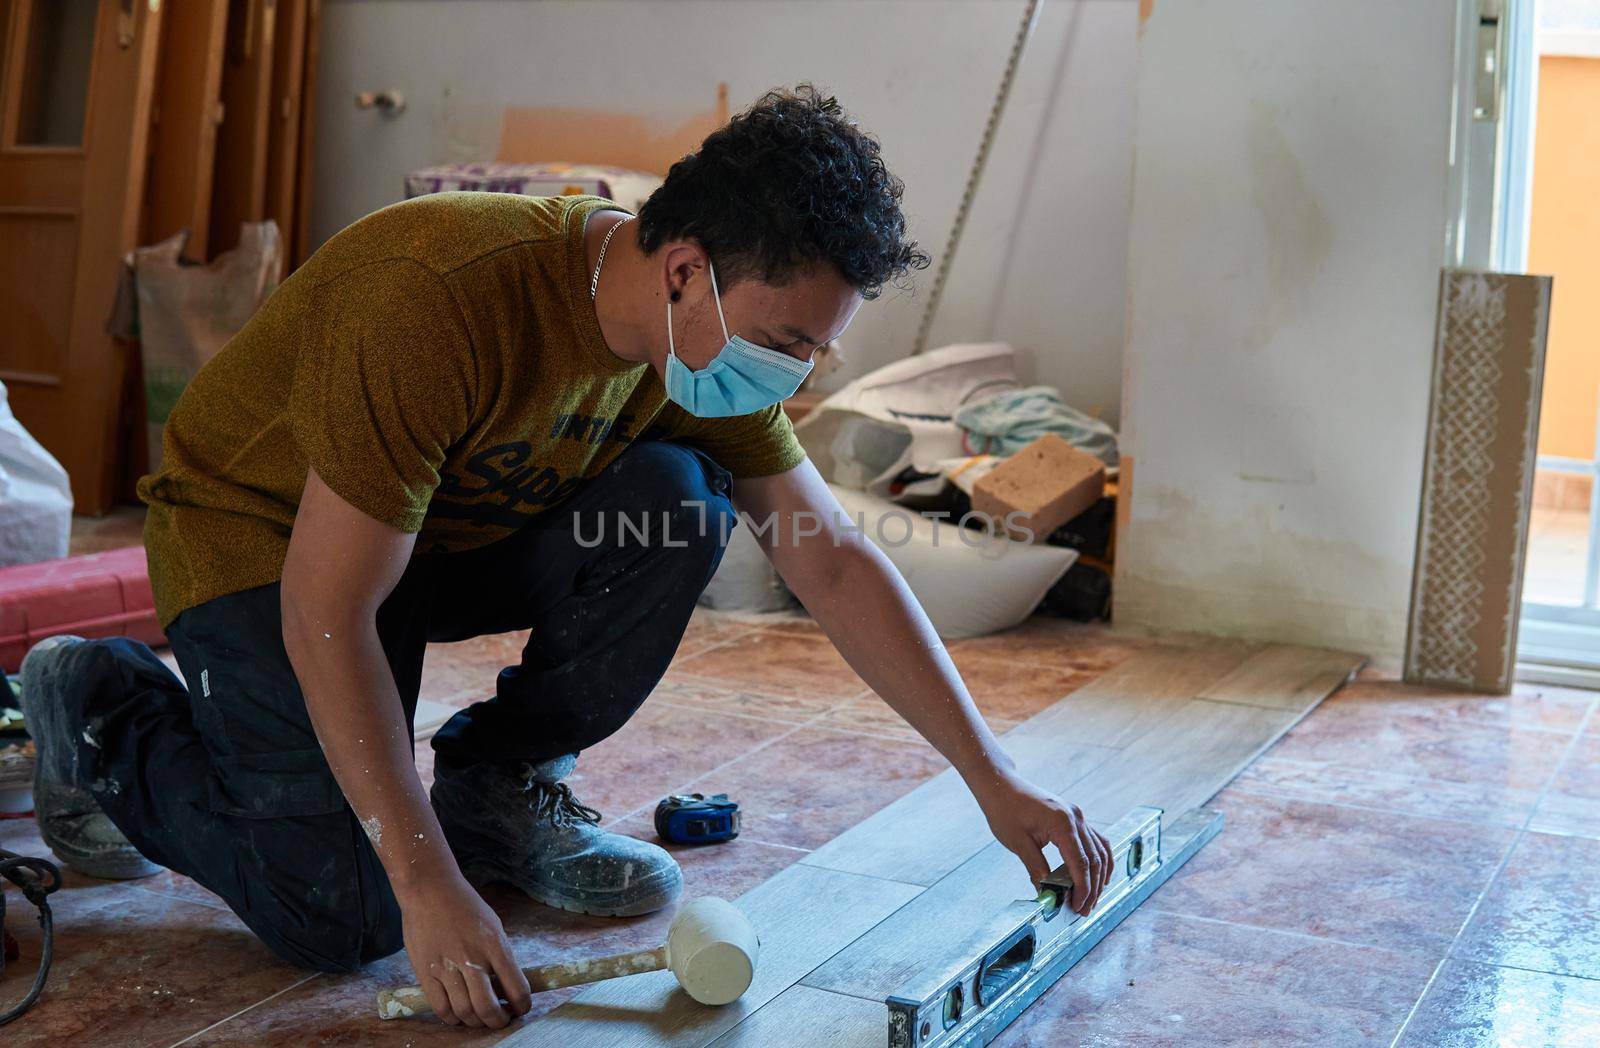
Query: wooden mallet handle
[711,949]
[410,1000]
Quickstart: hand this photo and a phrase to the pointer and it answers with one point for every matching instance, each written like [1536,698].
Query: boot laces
[554,801]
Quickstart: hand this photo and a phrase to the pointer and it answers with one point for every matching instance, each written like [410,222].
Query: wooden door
[76,80]
[239,190]
[283,134]
[188,108]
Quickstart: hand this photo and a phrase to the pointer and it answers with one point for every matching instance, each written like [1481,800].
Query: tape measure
[694,818]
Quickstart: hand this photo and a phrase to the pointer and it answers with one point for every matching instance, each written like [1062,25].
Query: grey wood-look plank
[933,925]
[802,1015]
[925,834]
[845,926]
[1117,708]
[1182,763]
[1285,677]
[936,827]
[803,916]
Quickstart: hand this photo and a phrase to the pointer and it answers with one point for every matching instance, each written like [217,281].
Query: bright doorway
[1550,223]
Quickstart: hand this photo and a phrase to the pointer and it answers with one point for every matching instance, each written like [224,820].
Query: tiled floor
[1406,865]
[1558,547]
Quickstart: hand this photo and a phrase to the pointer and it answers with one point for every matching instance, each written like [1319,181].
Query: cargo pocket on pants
[274,785]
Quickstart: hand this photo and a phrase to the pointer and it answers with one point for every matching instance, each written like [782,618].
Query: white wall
[1044,260]
[1287,234]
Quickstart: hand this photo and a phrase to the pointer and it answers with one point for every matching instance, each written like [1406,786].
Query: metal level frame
[1016,957]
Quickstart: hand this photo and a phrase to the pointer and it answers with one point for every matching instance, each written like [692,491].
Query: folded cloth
[1006,422]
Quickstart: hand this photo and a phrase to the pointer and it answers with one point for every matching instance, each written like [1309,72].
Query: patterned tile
[1397,882]
[1473,1005]
[1163,979]
[1540,912]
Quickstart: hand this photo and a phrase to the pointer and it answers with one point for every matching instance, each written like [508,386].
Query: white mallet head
[712,949]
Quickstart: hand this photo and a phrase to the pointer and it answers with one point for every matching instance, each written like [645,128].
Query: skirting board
[1168,728]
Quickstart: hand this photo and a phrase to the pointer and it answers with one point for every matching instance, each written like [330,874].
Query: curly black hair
[789,183]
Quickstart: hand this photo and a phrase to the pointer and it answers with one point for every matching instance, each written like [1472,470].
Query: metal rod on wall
[1030,19]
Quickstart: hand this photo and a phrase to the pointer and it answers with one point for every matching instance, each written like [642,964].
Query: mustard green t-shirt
[439,363]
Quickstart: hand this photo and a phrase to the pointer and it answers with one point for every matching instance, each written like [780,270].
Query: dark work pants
[226,783]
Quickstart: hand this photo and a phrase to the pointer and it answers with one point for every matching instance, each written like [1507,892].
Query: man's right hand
[459,951]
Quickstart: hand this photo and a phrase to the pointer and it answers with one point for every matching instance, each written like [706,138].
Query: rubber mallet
[711,949]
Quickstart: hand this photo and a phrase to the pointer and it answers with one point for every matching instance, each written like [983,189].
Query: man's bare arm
[867,610]
[340,567]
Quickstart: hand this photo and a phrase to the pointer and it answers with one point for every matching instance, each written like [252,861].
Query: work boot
[70,819]
[519,823]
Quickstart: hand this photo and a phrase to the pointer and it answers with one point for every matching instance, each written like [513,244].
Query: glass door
[1550,224]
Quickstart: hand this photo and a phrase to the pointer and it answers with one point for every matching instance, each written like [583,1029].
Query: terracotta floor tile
[1163,979]
[777,663]
[807,788]
[727,870]
[872,716]
[1015,690]
[464,672]
[1388,791]
[680,689]
[1397,882]
[136,968]
[123,526]
[1473,1005]
[1541,706]
[21,836]
[1540,912]
[1354,738]
[659,750]
[1045,641]
[342,1010]
[708,628]
[1572,804]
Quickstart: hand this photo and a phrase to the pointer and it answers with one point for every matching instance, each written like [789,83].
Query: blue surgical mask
[742,377]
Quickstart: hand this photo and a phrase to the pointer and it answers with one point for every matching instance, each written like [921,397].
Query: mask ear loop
[715,297]
[672,350]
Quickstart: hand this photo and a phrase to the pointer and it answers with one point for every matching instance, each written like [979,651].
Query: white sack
[899,417]
[35,497]
[746,580]
[970,583]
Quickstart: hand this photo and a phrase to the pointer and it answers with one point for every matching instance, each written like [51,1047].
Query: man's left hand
[1025,818]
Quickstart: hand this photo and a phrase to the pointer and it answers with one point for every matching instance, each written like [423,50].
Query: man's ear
[683,260]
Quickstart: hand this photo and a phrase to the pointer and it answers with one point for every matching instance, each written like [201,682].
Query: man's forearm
[356,711]
[871,616]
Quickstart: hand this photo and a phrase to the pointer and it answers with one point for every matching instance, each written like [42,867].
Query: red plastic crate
[95,595]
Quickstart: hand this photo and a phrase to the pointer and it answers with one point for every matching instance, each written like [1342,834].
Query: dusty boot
[70,820]
[518,823]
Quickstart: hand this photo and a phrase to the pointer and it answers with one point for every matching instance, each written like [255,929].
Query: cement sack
[35,497]
[188,312]
[886,432]
[969,582]
[746,580]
